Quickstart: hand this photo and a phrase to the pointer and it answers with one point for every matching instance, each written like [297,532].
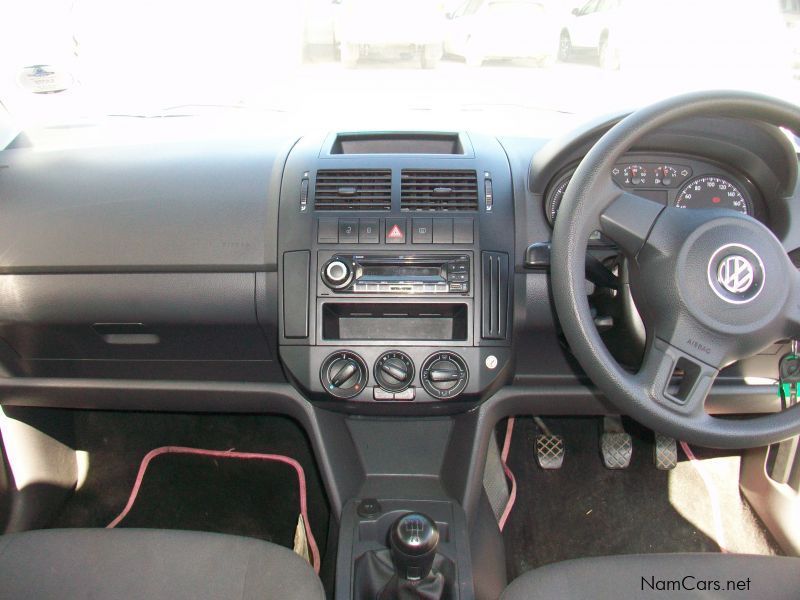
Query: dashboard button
[422,232]
[348,231]
[408,394]
[369,231]
[443,231]
[457,276]
[328,231]
[457,267]
[395,231]
[462,231]
[379,393]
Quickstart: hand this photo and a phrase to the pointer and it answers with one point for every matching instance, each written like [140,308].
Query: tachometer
[712,191]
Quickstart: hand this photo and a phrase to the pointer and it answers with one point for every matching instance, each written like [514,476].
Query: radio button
[459,287]
[422,232]
[457,276]
[395,231]
[348,231]
[369,231]
[457,267]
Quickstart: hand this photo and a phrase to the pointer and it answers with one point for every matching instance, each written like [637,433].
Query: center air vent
[353,189]
[423,189]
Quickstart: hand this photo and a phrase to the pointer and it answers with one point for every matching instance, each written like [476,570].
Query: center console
[395,268]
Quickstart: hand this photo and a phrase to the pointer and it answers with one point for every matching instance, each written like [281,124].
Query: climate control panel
[396,376]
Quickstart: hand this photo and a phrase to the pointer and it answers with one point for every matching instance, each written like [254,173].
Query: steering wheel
[712,286]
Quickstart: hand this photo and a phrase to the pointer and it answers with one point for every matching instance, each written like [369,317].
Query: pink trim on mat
[512,497]
[301,480]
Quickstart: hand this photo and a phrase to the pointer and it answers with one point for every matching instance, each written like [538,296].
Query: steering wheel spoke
[676,379]
[628,219]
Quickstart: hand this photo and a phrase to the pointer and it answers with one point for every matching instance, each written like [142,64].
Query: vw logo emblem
[735,273]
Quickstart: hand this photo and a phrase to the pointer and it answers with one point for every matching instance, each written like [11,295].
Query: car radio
[397,274]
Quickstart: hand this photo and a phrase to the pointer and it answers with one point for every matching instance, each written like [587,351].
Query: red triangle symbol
[395,233]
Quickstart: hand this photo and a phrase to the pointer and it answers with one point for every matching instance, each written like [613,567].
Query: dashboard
[364,272]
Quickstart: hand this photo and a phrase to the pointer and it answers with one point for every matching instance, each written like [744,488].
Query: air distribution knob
[337,273]
[444,375]
[413,540]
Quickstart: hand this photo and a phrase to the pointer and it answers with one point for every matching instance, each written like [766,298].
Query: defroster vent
[353,189]
[425,189]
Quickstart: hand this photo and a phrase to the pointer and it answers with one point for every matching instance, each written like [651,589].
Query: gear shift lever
[413,540]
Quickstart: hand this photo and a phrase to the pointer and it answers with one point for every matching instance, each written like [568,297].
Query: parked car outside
[790,9]
[681,36]
[503,29]
[387,28]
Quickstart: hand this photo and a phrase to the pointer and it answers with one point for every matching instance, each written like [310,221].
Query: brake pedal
[616,444]
[665,452]
[549,448]
[550,451]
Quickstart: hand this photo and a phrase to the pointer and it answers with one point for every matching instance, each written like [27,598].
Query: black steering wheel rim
[589,194]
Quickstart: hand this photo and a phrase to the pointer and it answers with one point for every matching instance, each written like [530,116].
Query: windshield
[502,66]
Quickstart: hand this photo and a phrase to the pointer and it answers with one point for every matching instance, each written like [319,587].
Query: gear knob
[413,540]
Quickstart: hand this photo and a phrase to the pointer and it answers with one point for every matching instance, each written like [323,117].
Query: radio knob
[337,274]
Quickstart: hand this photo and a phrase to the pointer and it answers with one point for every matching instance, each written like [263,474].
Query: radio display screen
[400,271]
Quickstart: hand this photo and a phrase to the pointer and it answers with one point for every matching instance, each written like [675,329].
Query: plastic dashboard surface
[167,262]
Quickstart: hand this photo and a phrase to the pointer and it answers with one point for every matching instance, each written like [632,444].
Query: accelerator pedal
[665,452]
[550,448]
[616,444]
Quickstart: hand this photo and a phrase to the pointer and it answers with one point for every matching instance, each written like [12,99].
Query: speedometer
[712,191]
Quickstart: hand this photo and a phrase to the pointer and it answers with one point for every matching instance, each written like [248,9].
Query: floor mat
[585,509]
[252,498]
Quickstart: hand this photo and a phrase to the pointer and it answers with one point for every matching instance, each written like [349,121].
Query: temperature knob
[344,374]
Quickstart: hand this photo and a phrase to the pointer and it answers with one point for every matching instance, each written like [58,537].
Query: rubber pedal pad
[617,449]
[550,451]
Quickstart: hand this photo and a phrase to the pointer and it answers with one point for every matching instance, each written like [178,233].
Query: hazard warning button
[395,231]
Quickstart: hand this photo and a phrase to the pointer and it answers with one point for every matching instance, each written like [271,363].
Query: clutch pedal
[616,444]
[665,452]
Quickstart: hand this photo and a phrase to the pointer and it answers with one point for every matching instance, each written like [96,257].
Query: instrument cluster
[676,181]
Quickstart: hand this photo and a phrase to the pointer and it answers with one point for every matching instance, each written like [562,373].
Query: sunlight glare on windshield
[505,66]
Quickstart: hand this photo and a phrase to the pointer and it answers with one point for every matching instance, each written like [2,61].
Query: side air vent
[353,189]
[423,189]
[494,295]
